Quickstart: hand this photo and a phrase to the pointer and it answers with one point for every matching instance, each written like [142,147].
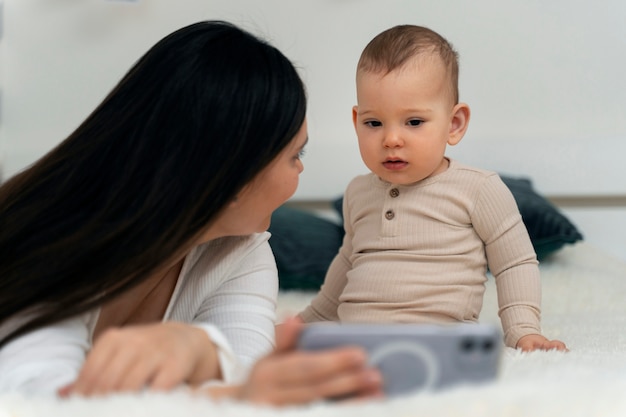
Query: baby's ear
[458,123]
[355,110]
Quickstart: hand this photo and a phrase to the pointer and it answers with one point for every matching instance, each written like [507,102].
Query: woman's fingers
[98,371]
[287,334]
[171,373]
[109,368]
[293,377]
[309,367]
[136,376]
[66,391]
[158,356]
[339,385]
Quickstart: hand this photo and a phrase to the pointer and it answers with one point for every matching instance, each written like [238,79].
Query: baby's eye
[415,122]
[373,123]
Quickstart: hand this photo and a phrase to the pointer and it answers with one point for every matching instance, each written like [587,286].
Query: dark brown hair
[134,186]
[393,47]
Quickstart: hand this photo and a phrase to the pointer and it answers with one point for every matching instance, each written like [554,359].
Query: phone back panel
[414,357]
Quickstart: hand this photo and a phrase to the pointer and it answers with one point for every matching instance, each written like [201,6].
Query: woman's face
[252,210]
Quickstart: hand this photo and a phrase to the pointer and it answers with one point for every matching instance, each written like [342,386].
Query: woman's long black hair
[134,186]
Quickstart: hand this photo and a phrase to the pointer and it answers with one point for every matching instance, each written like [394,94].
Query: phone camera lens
[488,345]
[467,345]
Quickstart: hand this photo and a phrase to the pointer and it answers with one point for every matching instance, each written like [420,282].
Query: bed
[584,289]
[583,304]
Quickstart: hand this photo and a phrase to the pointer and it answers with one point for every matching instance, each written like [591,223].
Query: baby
[422,229]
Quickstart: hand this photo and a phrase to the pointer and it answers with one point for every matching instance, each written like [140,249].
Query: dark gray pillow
[304,246]
[548,227]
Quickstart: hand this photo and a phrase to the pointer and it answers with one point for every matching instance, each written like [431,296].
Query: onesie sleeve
[511,259]
[44,360]
[240,314]
[324,305]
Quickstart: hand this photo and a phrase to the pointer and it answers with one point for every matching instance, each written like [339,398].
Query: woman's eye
[301,153]
[415,122]
[373,123]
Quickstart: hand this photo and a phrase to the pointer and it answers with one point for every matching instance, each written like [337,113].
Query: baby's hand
[536,341]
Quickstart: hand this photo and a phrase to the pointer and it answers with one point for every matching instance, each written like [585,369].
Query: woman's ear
[355,109]
[459,123]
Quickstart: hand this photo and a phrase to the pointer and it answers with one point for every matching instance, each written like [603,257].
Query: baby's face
[403,120]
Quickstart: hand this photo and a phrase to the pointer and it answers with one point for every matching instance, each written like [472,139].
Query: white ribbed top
[228,287]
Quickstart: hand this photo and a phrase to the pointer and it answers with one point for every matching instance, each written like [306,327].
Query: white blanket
[584,293]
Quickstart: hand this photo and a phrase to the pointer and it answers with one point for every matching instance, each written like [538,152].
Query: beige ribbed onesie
[420,252]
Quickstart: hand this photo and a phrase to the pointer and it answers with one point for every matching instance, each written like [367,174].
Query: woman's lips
[395,165]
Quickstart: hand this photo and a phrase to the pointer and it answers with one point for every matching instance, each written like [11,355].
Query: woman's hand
[532,342]
[157,356]
[287,376]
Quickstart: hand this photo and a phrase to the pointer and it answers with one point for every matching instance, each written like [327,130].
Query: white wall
[544,79]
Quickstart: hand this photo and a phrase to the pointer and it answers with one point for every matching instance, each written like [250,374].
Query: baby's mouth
[395,164]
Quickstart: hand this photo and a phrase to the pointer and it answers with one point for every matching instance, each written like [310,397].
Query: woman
[134,254]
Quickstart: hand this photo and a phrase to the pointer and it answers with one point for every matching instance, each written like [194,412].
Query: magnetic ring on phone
[405,366]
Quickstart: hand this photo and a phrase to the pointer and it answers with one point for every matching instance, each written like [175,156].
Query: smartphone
[416,357]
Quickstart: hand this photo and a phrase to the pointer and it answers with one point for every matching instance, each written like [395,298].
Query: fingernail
[65,391]
[358,357]
[373,377]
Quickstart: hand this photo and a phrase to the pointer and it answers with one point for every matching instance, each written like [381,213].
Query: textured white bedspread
[584,304]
